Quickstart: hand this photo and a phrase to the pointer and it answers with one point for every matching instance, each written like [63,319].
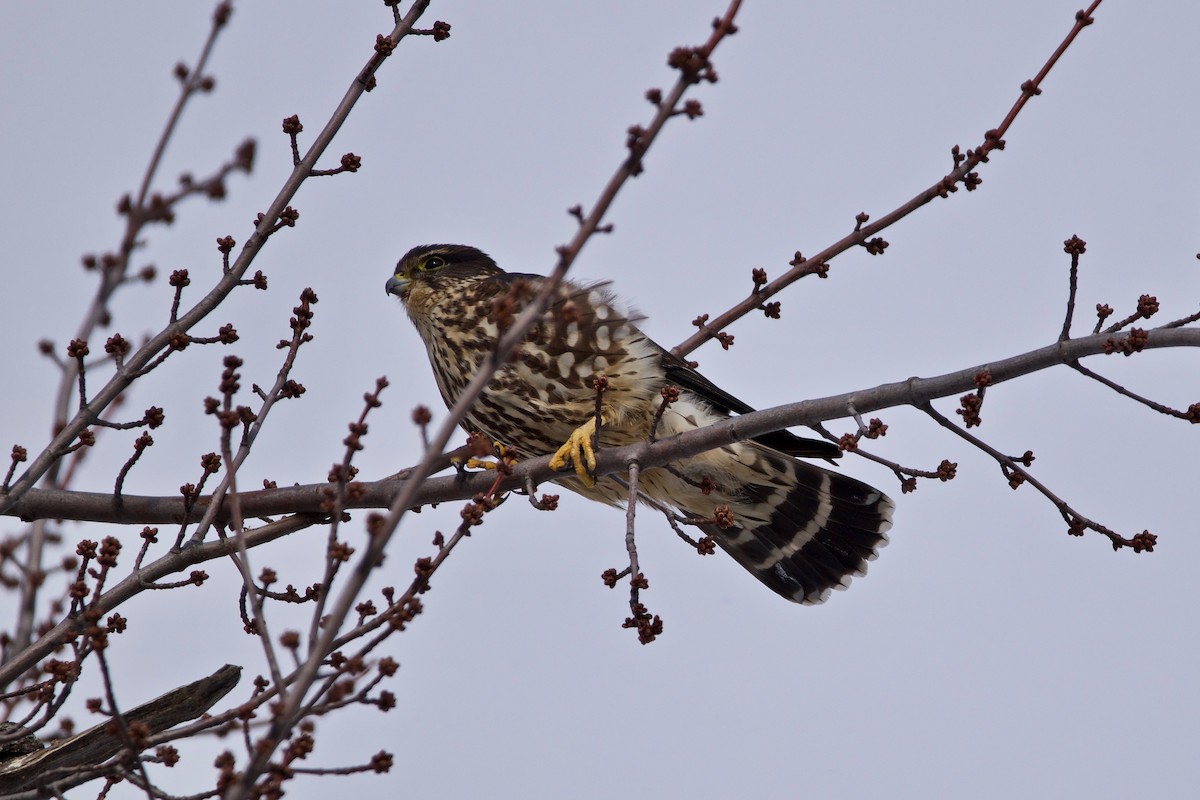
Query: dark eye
[433,262]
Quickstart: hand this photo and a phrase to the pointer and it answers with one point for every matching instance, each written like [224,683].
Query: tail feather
[800,529]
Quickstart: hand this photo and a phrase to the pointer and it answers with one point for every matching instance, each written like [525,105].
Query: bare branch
[962,173]
[47,503]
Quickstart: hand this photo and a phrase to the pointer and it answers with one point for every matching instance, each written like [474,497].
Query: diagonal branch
[404,499]
[1017,474]
[962,173]
[229,281]
[1189,415]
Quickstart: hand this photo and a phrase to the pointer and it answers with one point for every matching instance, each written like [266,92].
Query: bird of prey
[801,529]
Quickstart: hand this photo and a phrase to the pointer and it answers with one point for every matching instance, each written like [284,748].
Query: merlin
[801,529]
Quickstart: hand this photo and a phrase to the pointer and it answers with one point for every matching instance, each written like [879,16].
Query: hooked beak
[398,285]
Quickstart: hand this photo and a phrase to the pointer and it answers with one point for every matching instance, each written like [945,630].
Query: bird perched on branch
[801,529]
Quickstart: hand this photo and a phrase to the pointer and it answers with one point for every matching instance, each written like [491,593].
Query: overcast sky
[987,654]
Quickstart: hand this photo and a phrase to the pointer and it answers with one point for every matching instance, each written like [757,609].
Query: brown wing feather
[685,377]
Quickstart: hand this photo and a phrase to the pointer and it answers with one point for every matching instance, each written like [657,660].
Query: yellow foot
[578,452]
[501,453]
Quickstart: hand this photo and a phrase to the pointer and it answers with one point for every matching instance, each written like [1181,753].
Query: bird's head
[425,271]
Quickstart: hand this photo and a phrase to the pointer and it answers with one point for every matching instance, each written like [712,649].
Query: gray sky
[987,654]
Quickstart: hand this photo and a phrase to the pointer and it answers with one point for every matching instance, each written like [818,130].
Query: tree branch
[53,503]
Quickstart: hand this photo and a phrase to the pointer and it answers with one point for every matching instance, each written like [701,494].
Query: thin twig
[122,724]
[242,558]
[1076,522]
[946,471]
[1072,286]
[1179,323]
[630,539]
[1119,389]
[342,472]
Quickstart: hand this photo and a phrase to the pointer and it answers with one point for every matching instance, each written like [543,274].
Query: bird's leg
[577,451]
